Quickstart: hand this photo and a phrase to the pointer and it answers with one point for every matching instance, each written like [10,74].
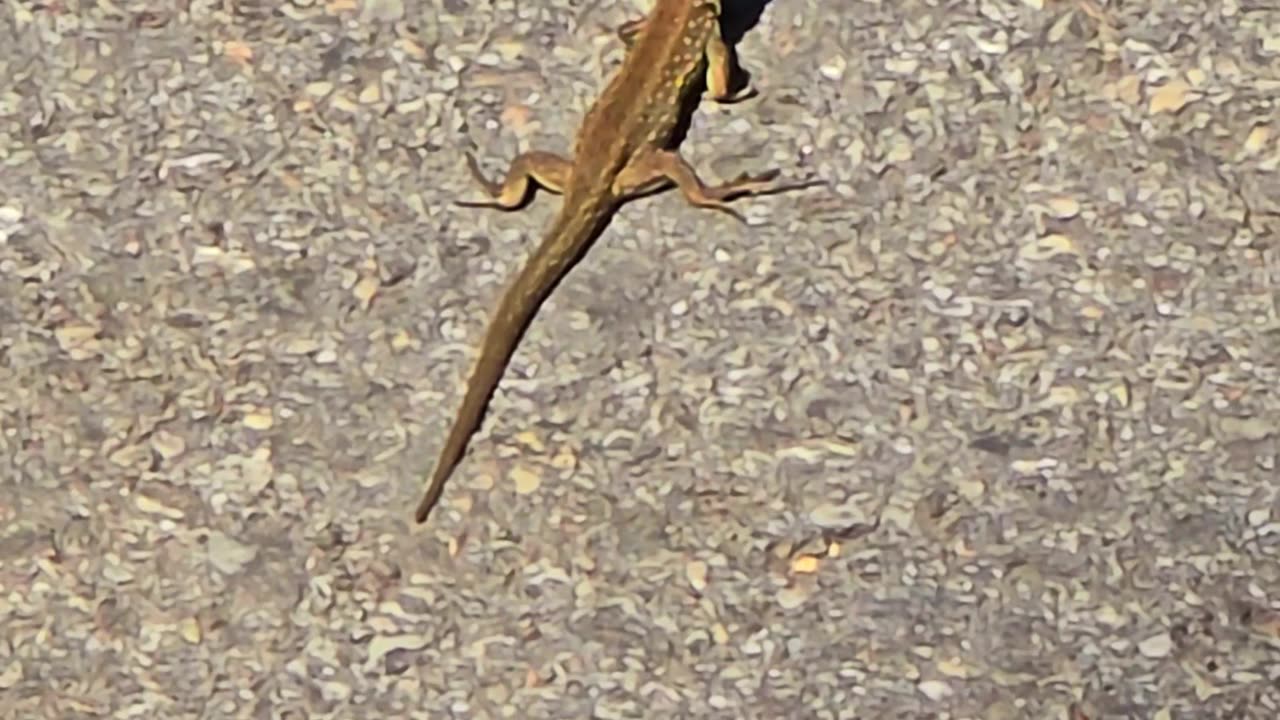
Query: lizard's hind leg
[657,168]
[548,170]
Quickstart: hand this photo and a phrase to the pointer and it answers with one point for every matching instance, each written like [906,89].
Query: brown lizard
[622,151]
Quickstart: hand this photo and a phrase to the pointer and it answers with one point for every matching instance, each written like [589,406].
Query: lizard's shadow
[736,19]
[739,16]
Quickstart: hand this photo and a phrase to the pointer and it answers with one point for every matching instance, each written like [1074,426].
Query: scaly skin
[621,151]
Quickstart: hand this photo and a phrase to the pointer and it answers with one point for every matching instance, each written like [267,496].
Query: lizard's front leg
[653,169]
[721,64]
[547,169]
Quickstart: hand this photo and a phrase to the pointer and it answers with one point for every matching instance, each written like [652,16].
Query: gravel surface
[984,427]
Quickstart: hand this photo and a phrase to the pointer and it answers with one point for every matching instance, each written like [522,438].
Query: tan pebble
[530,440]
[1258,518]
[900,151]
[365,289]
[962,549]
[11,675]
[484,481]
[75,336]
[526,481]
[831,516]
[1032,466]
[380,645]
[1248,428]
[1062,395]
[696,572]
[565,459]
[318,89]
[370,94]
[1127,89]
[209,253]
[1120,393]
[301,346]
[833,550]
[237,51]
[1064,208]
[792,597]
[805,564]
[168,445]
[130,455]
[841,448]
[84,75]
[412,49]
[411,107]
[386,11]
[1257,139]
[259,420]
[1169,98]
[516,117]
[902,66]
[1049,246]
[116,573]
[510,49]
[151,506]
[953,667]
[401,341]
[971,489]
[1267,624]
[1156,646]
[782,550]
[934,689]
[1108,615]
[344,104]
[720,633]
[834,68]
[189,629]
[228,555]
[257,470]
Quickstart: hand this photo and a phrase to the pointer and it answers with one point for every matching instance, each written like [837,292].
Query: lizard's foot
[543,168]
[656,167]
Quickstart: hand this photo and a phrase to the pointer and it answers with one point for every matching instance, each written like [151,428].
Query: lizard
[623,149]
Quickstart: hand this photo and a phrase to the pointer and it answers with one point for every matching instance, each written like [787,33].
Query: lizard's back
[641,105]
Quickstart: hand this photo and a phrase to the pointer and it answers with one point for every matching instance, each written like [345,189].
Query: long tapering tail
[569,236]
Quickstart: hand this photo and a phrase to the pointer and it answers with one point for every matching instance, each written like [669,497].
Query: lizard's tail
[568,238]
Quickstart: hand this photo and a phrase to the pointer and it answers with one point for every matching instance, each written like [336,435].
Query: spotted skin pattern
[620,152]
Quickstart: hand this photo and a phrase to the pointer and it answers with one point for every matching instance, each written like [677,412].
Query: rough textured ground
[985,427]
